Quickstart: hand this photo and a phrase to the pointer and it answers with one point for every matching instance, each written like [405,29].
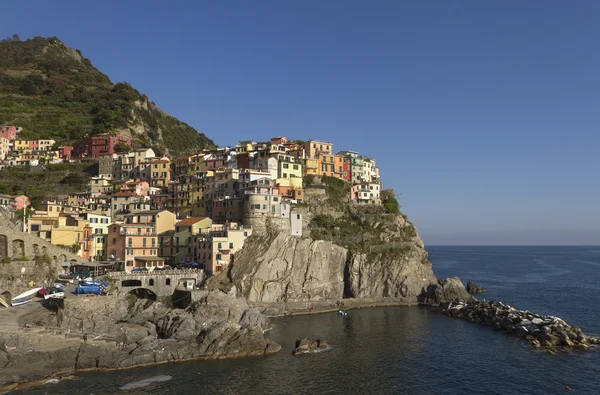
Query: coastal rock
[540,331]
[448,290]
[306,346]
[215,325]
[288,269]
[473,288]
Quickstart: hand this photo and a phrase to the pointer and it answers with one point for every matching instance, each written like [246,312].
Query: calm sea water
[413,350]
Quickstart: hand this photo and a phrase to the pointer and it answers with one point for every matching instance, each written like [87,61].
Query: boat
[63,278]
[89,281]
[3,302]
[55,295]
[60,286]
[25,297]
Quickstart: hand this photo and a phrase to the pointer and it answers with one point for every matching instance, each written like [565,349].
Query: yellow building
[311,167]
[21,145]
[181,244]
[160,172]
[68,232]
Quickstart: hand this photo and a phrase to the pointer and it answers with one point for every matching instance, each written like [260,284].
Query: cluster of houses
[146,210]
[19,152]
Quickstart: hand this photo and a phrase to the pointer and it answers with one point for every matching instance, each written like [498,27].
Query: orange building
[314,147]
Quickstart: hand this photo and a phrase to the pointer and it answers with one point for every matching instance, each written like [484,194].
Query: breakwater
[542,331]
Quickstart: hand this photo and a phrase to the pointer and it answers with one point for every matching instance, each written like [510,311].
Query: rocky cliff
[215,325]
[345,252]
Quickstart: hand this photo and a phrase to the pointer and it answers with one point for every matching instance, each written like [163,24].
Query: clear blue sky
[484,115]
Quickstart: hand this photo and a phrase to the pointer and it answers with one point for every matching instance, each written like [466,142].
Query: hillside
[52,91]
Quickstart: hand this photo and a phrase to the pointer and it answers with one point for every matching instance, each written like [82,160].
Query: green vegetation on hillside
[374,229]
[36,183]
[52,91]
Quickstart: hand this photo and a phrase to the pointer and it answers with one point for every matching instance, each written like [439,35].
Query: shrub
[6,259]
[389,201]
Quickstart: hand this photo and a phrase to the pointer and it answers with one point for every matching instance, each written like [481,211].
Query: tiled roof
[190,221]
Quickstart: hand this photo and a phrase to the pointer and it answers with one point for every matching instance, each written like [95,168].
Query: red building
[102,144]
[347,174]
[65,152]
[243,161]
[8,132]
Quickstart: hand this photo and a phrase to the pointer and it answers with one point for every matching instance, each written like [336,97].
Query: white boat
[3,302]
[25,297]
[56,295]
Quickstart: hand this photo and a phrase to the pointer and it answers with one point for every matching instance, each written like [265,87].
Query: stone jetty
[542,331]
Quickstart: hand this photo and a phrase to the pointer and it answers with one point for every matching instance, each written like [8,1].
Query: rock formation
[473,288]
[215,325]
[307,346]
[346,253]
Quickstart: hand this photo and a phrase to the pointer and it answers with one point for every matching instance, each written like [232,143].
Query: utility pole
[24,210]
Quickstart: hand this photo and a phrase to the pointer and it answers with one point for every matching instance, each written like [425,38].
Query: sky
[483,115]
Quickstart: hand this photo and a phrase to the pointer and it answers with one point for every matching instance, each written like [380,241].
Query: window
[219,245]
[218,256]
[297,216]
[151,282]
[272,209]
[264,207]
[114,240]
[299,193]
[286,166]
[245,234]
[168,281]
[295,167]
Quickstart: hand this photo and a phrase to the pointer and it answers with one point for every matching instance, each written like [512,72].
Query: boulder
[448,290]
[305,346]
[473,288]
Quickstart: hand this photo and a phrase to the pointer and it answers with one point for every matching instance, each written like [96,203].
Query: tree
[121,147]
[389,201]
[15,37]
[28,87]
[75,247]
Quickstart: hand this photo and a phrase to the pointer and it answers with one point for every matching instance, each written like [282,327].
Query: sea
[410,350]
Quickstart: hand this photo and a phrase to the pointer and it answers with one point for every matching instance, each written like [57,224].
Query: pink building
[21,202]
[8,132]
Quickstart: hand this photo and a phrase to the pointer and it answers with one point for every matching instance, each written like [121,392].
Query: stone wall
[15,244]
[162,283]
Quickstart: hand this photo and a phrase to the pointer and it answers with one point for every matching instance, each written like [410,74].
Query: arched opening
[55,258]
[168,281]
[62,258]
[3,247]
[18,248]
[36,250]
[44,251]
[143,293]
[151,282]
[131,283]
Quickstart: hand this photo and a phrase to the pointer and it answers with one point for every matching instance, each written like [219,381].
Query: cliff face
[342,254]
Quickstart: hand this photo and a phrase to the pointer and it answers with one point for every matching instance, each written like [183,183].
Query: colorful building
[366,193]
[98,145]
[9,132]
[217,250]
[135,244]
[314,147]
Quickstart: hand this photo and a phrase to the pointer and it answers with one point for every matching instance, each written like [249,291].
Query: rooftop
[190,221]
